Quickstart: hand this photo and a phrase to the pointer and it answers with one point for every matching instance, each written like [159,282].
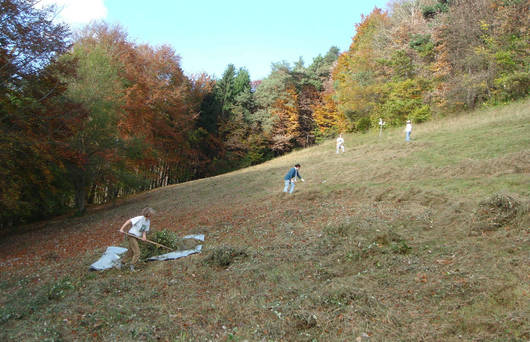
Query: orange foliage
[327,117]
[286,126]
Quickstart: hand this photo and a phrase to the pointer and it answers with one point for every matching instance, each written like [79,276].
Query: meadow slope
[389,241]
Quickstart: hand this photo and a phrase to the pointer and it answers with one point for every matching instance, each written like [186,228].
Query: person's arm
[144,236]
[125,225]
[299,176]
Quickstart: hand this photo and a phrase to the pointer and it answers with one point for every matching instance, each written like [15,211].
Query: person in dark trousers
[290,178]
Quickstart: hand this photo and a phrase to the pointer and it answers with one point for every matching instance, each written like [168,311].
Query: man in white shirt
[139,228]
[408,130]
[340,143]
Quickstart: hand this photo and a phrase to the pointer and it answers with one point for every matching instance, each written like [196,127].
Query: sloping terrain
[389,241]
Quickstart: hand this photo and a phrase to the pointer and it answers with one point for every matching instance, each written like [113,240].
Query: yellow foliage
[286,115]
[328,117]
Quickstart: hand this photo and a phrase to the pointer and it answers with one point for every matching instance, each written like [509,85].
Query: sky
[210,34]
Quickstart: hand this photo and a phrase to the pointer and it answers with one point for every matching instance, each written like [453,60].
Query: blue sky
[210,34]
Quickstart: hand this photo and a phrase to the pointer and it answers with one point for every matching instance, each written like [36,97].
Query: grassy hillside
[390,241]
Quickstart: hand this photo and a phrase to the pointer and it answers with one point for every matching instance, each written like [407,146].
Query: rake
[148,241]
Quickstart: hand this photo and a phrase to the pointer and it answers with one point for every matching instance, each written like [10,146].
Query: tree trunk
[80,195]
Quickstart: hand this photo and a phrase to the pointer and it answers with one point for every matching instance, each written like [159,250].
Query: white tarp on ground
[111,257]
[180,254]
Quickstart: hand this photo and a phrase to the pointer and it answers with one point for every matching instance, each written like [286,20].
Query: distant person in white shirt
[340,143]
[139,228]
[408,130]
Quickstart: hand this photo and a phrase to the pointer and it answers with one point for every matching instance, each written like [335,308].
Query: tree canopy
[92,117]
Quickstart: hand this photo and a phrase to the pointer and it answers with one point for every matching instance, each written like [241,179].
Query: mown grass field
[389,241]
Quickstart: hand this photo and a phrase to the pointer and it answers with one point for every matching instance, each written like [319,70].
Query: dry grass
[381,242]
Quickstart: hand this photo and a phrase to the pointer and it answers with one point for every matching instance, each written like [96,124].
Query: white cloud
[78,11]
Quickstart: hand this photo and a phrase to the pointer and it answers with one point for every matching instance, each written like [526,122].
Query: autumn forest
[89,117]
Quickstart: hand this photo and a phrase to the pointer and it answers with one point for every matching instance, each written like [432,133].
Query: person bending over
[290,178]
[139,229]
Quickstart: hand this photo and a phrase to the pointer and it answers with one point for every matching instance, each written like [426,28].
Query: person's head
[148,212]
[408,121]
[297,166]
[340,135]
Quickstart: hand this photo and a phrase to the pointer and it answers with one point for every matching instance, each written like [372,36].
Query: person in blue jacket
[290,178]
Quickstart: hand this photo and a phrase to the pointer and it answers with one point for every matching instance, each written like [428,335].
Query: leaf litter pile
[498,211]
[167,238]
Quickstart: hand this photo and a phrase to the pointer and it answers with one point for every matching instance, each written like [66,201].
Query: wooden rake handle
[148,241]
